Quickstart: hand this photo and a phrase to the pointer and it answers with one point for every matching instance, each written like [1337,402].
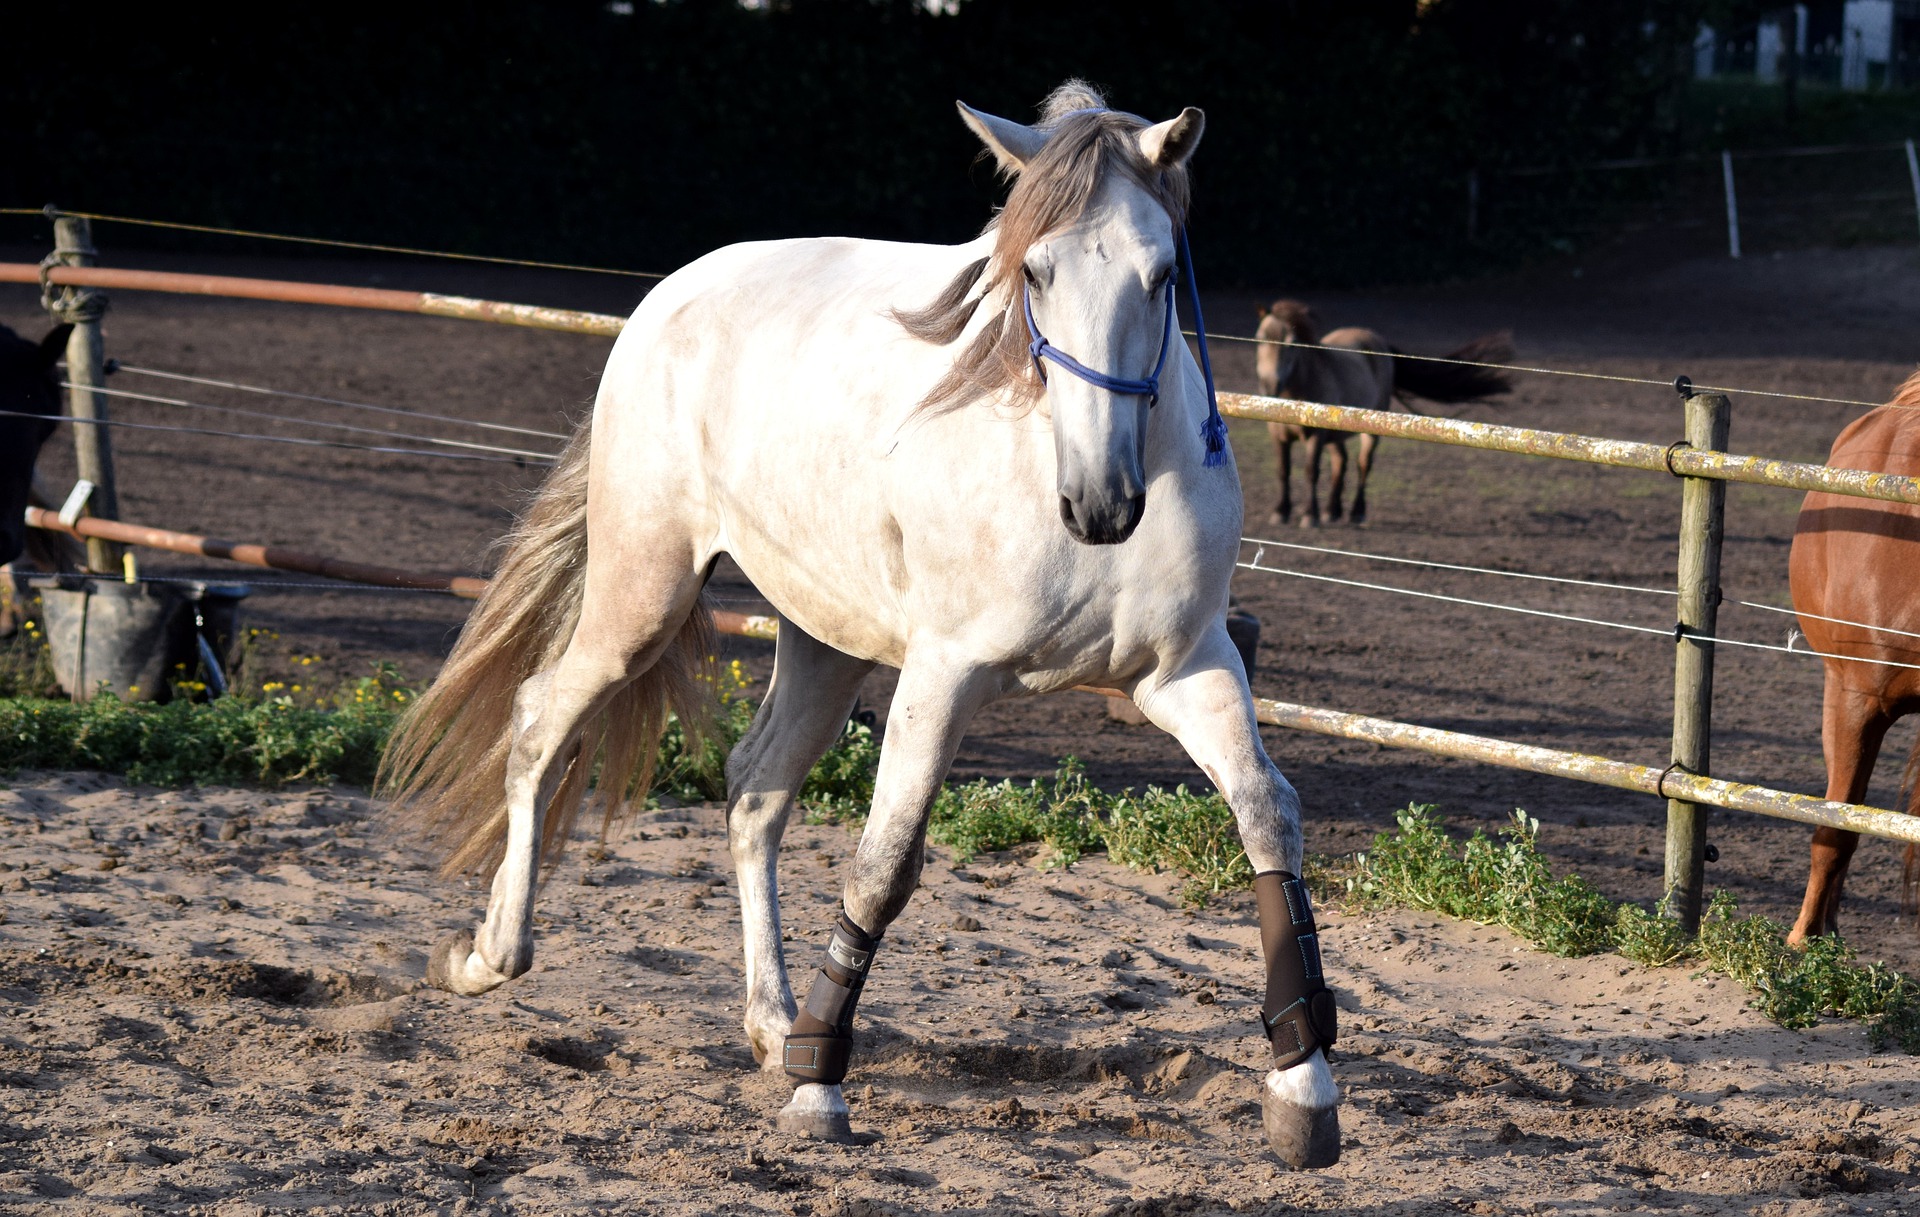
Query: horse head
[1282,322]
[27,387]
[1084,264]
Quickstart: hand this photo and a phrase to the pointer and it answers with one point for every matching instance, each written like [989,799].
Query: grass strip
[1505,880]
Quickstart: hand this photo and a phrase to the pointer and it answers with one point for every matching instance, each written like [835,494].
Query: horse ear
[1168,145]
[1012,145]
[54,345]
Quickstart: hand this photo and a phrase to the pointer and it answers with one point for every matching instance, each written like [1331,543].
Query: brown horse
[1859,560]
[1364,374]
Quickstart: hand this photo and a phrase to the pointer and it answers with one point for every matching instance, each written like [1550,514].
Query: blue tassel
[1214,432]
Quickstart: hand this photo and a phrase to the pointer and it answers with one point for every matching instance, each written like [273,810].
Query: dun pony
[1364,370]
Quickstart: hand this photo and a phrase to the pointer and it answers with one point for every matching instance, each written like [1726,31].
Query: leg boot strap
[1298,1016]
[821,1042]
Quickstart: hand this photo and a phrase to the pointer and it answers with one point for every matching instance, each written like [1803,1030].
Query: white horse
[866,429]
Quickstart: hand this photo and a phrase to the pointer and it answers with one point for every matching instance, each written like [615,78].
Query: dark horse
[1363,374]
[1859,560]
[27,387]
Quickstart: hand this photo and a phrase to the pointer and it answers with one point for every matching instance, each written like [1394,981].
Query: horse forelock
[1288,321]
[1086,143]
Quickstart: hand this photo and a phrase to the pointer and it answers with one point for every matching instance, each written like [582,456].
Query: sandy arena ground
[212,1006]
[234,1025]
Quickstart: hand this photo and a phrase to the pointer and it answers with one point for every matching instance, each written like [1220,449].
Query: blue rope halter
[1213,431]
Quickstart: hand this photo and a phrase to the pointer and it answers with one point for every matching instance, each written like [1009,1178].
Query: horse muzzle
[1102,523]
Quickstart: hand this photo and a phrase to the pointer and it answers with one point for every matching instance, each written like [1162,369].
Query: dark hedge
[1339,142]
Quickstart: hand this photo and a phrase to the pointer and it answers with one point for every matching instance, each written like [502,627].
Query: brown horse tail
[1460,381]
[445,768]
[1910,799]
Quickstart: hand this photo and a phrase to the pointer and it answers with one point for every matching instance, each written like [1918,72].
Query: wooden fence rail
[1679,460]
[1698,461]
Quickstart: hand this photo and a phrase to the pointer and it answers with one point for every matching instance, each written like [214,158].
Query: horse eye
[1027,273]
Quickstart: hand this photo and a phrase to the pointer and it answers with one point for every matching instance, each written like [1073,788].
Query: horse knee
[881,884]
[1267,810]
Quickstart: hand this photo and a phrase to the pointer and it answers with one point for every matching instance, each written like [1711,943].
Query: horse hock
[1298,1017]
[820,1044]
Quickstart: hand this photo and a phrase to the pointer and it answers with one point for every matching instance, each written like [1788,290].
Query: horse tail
[445,767]
[1458,381]
[1910,798]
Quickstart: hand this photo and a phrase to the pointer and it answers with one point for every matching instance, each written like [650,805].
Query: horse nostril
[1069,517]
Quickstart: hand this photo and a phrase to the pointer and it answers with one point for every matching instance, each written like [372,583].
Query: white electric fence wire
[1472,570]
[155,399]
[335,401]
[273,439]
[1515,367]
[1262,545]
[1532,612]
[1486,604]
[1774,608]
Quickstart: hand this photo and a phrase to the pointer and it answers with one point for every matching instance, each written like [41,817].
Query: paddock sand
[212,1006]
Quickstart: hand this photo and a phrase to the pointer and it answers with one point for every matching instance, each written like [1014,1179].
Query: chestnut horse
[1364,374]
[1859,560]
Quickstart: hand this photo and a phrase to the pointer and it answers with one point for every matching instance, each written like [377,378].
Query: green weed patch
[1505,880]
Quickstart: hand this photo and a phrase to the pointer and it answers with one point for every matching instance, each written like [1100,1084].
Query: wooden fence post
[1702,526]
[1733,206]
[86,371]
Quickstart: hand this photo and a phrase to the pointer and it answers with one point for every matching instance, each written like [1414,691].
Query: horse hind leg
[806,708]
[616,640]
[1852,728]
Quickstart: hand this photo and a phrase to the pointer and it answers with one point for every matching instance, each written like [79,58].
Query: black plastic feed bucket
[136,640]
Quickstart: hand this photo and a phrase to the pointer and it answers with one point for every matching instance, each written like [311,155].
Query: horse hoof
[1277,516]
[451,967]
[1306,1139]
[1309,522]
[820,1125]
[818,1111]
[448,955]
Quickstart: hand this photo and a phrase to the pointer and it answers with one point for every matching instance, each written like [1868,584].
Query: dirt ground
[213,1007]
[1838,324]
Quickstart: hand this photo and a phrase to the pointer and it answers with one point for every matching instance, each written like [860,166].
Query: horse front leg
[806,708]
[931,707]
[1361,468]
[1283,467]
[1336,477]
[1316,440]
[1206,705]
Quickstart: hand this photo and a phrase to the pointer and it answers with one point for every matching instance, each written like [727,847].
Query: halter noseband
[1213,431]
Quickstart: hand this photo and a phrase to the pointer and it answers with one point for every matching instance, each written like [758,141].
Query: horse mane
[1085,142]
[1295,316]
[1907,396]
